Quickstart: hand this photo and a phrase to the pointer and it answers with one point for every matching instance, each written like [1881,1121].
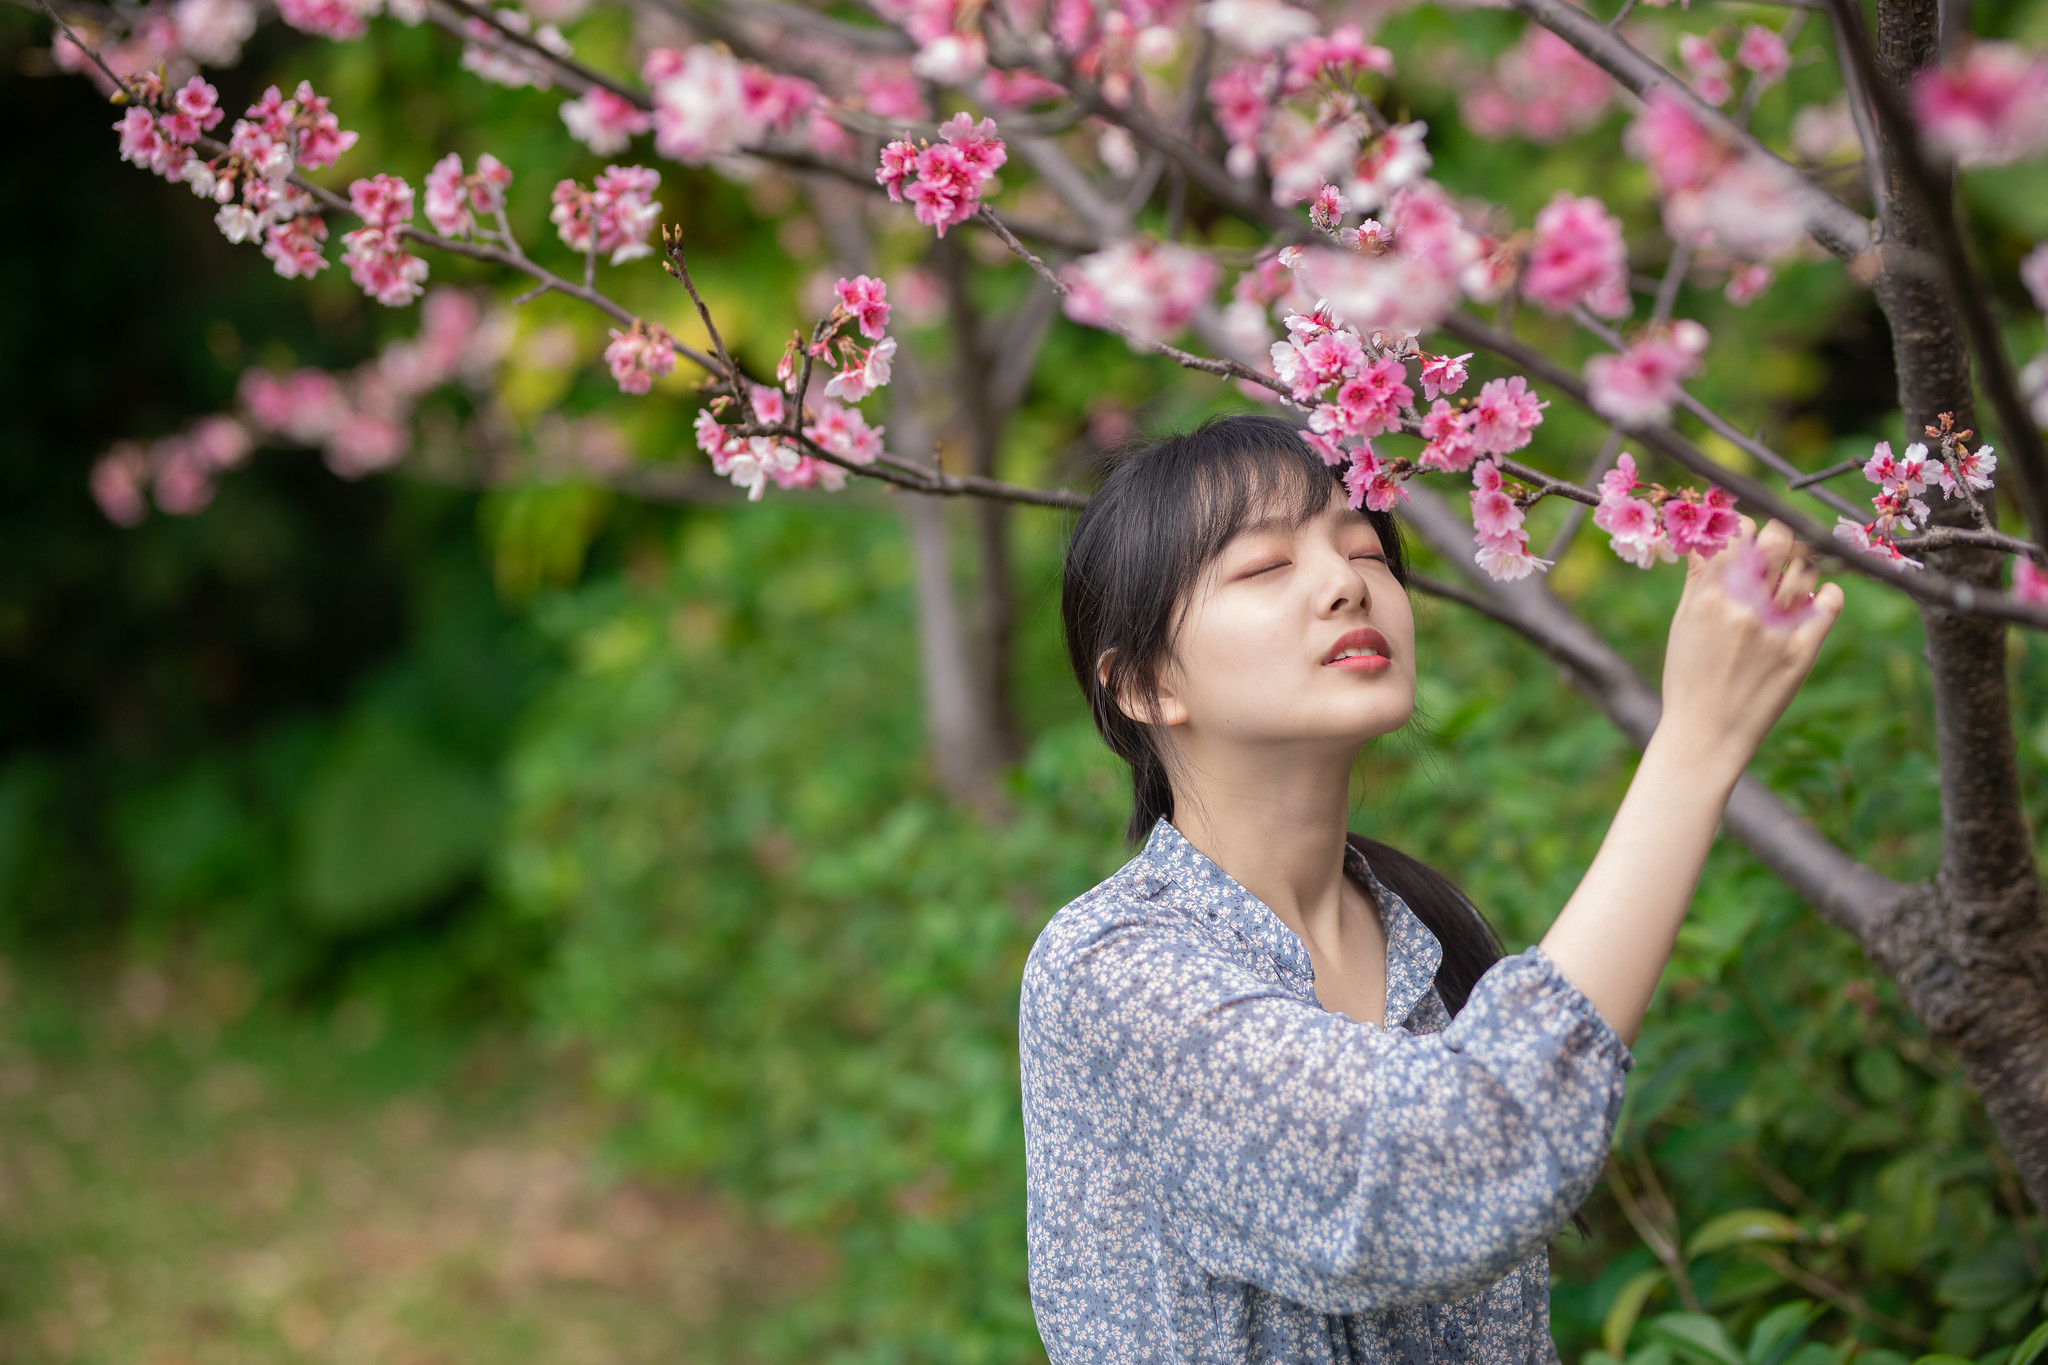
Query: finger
[1695,561]
[1776,542]
[1827,607]
[1797,583]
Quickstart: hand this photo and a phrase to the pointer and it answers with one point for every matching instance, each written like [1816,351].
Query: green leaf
[1743,1225]
[2031,1347]
[1627,1307]
[1696,1337]
[1984,1280]
[1937,1358]
[1779,1330]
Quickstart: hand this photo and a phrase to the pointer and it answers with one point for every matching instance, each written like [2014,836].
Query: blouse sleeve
[1343,1166]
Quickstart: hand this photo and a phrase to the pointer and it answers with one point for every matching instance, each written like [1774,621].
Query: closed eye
[1264,568]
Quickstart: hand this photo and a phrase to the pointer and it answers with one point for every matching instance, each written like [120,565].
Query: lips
[1359,651]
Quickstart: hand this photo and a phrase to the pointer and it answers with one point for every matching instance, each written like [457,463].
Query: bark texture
[1970,952]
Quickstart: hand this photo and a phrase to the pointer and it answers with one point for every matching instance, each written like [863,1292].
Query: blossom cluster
[1987,106]
[251,181]
[375,253]
[640,355]
[456,200]
[167,39]
[1951,466]
[605,122]
[1540,89]
[1646,523]
[1640,384]
[944,180]
[361,420]
[614,215]
[1761,51]
[708,104]
[1292,104]
[495,58]
[1152,289]
[754,458]
[1579,257]
[1716,194]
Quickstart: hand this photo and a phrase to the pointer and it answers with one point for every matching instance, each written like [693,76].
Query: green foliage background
[652,780]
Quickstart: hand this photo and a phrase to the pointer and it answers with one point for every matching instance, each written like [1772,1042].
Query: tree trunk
[1971,953]
[995,599]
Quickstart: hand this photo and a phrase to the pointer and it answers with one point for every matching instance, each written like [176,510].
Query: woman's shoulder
[1139,911]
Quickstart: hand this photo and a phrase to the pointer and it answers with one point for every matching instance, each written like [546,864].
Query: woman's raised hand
[1742,640]
[1744,636]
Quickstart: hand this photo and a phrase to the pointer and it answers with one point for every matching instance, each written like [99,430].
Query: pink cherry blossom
[1241,99]
[1641,384]
[303,406]
[1762,53]
[1747,282]
[1578,257]
[117,482]
[1394,160]
[213,31]
[1973,469]
[1747,577]
[1153,289]
[1986,106]
[867,300]
[700,104]
[1871,539]
[1311,361]
[1703,526]
[383,201]
[195,109]
[614,215]
[499,60]
[1328,208]
[447,199]
[1371,401]
[640,355]
[1451,446]
[944,181]
[294,248]
[1541,89]
[1017,89]
[1443,374]
[1256,25]
[1708,68]
[1494,513]
[1683,153]
[605,122]
[1505,416]
[2029,580]
[381,266]
[844,432]
[320,140]
[1371,483]
[1343,56]
[863,372]
[893,93]
[336,20]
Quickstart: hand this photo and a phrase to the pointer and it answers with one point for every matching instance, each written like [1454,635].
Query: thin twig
[1834,1293]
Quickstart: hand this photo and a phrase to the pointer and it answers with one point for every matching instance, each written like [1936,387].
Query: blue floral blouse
[1222,1171]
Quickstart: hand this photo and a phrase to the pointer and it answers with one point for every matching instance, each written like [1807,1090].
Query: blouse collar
[1413,953]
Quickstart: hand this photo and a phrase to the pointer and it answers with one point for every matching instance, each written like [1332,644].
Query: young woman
[1283,1098]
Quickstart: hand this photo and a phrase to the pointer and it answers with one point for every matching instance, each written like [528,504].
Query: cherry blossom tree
[1231,185]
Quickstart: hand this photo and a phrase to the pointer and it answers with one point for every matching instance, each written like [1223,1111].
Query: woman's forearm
[1615,934]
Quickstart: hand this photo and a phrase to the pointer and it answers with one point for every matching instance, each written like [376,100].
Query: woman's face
[1294,635]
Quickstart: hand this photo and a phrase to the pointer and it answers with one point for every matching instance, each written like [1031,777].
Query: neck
[1277,827]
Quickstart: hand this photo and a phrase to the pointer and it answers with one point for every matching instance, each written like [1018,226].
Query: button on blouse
[1219,1170]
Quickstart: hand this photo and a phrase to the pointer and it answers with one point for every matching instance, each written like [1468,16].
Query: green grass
[185,1180]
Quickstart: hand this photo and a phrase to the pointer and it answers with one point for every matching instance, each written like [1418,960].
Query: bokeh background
[445,923]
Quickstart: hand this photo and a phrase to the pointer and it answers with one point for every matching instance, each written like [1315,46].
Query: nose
[1341,585]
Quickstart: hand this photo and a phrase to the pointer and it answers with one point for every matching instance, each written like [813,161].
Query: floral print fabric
[1221,1170]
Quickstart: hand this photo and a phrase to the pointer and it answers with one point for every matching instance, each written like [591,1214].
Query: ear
[1167,709]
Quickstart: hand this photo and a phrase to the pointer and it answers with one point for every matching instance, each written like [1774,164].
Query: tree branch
[1926,585]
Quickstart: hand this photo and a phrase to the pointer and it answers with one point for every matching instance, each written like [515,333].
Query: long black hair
[1165,510]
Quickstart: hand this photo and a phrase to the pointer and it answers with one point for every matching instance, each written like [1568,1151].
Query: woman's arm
[1728,675]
